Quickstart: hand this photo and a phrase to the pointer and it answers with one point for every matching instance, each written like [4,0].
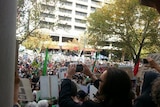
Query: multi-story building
[67,18]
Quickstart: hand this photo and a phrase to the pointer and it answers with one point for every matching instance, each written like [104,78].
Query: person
[31,104]
[114,88]
[145,99]
[34,81]
[43,103]
[138,87]
[153,64]
[155,92]
[82,96]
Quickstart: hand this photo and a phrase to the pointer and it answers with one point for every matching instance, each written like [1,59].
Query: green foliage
[29,16]
[37,41]
[135,25]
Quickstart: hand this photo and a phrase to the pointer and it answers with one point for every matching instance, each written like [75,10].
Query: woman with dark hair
[114,88]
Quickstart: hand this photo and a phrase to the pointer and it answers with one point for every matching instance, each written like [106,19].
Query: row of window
[66,3]
[65,10]
[64,18]
[47,7]
[81,14]
[81,6]
[83,0]
[47,15]
[70,11]
[44,24]
[69,3]
[80,21]
[51,9]
[64,39]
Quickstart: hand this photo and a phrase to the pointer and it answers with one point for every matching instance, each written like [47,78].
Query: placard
[25,91]
[62,72]
[92,92]
[83,87]
[49,87]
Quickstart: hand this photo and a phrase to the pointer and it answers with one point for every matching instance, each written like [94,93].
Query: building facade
[67,18]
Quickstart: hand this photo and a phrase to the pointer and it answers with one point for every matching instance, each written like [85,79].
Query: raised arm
[153,64]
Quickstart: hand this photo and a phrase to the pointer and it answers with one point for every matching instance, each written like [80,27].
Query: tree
[22,16]
[136,27]
[37,41]
[29,17]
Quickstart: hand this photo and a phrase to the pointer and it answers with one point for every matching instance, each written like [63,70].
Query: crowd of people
[32,70]
[115,87]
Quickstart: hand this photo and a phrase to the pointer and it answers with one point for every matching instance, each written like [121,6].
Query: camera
[79,68]
[145,61]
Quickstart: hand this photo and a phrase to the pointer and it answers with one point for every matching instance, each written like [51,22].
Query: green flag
[45,64]
[94,62]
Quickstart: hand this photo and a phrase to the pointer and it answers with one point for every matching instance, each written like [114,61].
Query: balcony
[67,7]
[96,4]
[46,19]
[64,14]
[63,22]
[82,10]
[83,2]
[80,24]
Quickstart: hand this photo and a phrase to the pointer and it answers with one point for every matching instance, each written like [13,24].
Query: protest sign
[62,72]
[92,92]
[25,91]
[49,87]
[83,87]
[101,68]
